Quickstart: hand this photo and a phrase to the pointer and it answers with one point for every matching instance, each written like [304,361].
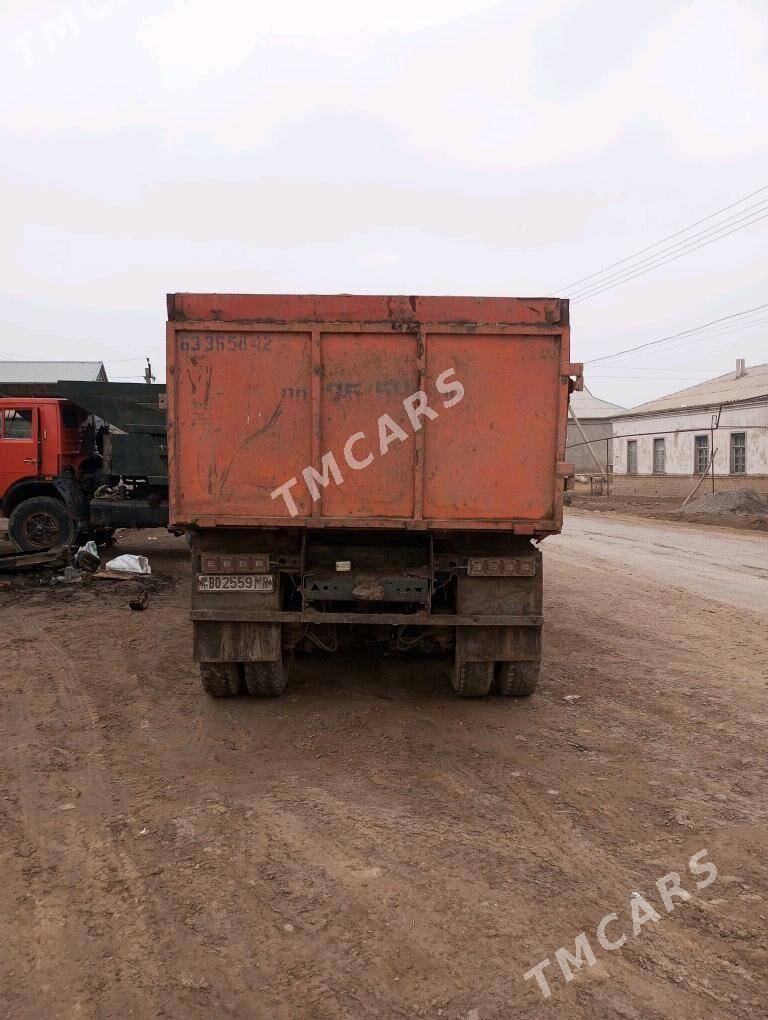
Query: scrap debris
[87,558]
[29,561]
[81,567]
[129,564]
[139,602]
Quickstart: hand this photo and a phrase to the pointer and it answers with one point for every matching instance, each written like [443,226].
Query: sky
[427,147]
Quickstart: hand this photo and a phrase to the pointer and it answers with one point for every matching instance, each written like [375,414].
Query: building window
[738,453]
[658,457]
[17,424]
[631,456]
[700,454]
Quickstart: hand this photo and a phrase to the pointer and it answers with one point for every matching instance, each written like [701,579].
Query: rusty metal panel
[495,596]
[369,586]
[312,308]
[366,375]
[241,420]
[493,454]
[262,386]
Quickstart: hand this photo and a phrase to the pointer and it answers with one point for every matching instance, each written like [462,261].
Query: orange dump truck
[377,465]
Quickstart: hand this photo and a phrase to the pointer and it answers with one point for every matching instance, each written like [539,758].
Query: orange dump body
[264,388]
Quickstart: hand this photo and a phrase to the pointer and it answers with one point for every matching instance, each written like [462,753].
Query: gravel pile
[740,501]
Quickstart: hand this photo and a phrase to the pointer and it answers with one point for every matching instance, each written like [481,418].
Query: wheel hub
[41,529]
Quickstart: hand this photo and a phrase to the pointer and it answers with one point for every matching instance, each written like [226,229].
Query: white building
[718,427]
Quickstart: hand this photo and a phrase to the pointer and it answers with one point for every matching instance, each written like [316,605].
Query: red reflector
[524,566]
[235,563]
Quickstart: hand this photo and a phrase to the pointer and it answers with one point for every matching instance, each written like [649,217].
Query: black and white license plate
[235,582]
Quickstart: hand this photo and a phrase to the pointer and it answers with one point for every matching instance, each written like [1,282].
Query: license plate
[235,582]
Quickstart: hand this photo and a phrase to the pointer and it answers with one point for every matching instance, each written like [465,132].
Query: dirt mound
[740,501]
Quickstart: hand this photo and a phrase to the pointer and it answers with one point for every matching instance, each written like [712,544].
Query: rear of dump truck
[354,466]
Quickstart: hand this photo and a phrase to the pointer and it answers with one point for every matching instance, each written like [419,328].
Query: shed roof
[51,371]
[586,405]
[724,389]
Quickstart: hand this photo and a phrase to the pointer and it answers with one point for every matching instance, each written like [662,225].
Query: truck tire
[516,679]
[265,679]
[472,679]
[40,523]
[221,679]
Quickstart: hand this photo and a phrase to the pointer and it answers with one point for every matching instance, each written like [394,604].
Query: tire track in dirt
[98,872]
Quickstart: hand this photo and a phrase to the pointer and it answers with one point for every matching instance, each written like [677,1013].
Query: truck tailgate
[261,387]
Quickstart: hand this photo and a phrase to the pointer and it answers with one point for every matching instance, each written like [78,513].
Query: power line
[669,237]
[675,336]
[724,329]
[631,274]
[633,366]
[122,361]
[694,380]
[745,218]
[650,373]
[728,221]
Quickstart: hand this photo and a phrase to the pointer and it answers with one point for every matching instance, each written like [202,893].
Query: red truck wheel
[40,523]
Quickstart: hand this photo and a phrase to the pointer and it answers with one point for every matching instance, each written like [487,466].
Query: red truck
[387,464]
[82,463]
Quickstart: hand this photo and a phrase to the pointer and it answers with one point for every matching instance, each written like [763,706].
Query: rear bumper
[388,619]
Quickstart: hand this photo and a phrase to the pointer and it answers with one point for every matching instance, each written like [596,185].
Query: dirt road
[730,567]
[370,846]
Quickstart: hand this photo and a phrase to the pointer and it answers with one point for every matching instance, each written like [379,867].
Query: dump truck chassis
[478,593]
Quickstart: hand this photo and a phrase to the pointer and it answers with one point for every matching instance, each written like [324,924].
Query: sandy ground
[370,846]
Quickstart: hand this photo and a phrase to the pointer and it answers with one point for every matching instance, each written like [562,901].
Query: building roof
[51,371]
[586,405]
[731,388]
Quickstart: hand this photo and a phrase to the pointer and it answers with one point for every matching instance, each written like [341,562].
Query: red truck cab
[82,460]
[41,442]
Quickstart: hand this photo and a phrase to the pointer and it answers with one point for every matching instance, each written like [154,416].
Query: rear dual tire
[221,679]
[472,679]
[265,679]
[508,679]
[228,679]
[516,679]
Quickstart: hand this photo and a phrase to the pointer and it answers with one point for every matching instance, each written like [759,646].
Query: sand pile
[748,502]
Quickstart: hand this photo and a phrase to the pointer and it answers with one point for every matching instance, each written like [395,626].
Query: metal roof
[51,371]
[586,405]
[724,389]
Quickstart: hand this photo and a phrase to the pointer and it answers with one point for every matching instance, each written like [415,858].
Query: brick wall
[681,485]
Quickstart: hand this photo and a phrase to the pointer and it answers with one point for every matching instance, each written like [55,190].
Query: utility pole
[148,377]
[714,423]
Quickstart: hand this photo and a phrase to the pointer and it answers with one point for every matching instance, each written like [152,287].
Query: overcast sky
[427,147]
